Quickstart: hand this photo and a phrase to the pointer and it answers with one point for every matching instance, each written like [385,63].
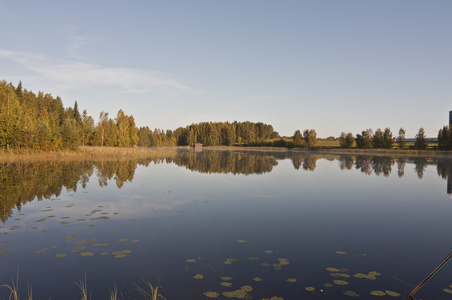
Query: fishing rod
[410,295]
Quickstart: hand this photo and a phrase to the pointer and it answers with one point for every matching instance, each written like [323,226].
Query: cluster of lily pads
[71,238]
[448,289]
[340,277]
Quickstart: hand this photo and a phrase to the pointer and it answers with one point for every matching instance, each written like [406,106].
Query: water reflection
[24,182]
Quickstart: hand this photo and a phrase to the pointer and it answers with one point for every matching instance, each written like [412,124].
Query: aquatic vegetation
[86,254]
[190,260]
[339,275]
[351,294]
[310,288]
[247,288]
[265,264]
[78,249]
[378,293]
[330,269]
[14,288]
[340,282]
[210,294]
[148,292]
[83,288]
[225,283]
[341,252]
[283,261]
[61,255]
[41,251]
[253,258]
[104,253]
[241,241]
[230,260]
[446,290]
[257,279]
[114,292]
[268,251]
[122,240]
[274,298]
[225,278]
[292,280]
[392,293]
[198,276]
[134,241]
[100,245]
[328,285]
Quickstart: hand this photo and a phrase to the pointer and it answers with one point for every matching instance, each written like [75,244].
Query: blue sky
[328,65]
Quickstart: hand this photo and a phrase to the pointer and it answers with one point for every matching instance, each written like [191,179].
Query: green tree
[401,139]
[297,139]
[364,140]
[420,143]
[347,140]
[70,134]
[310,137]
[387,138]
[378,140]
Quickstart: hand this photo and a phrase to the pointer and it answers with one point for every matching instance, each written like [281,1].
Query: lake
[237,224]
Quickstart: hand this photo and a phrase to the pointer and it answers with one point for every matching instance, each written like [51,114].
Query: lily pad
[292,280]
[283,261]
[61,255]
[446,290]
[225,278]
[99,245]
[41,251]
[225,283]
[198,276]
[78,249]
[120,255]
[122,240]
[274,298]
[247,288]
[378,293]
[210,294]
[257,279]
[340,282]
[190,260]
[341,252]
[104,253]
[393,294]
[310,288]
[268,251]
[330,269]
[241,241]
[351,294]
[328,285]
[134,241]
[86,253]
[253,258]
[343,275]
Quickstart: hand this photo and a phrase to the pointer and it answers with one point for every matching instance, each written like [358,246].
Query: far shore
[94,153]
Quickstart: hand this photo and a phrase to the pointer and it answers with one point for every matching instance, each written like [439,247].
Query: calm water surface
[259,217]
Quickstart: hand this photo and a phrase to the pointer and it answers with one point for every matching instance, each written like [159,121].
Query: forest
[41,122]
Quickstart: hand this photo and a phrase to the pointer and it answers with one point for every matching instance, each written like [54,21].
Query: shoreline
[93,152]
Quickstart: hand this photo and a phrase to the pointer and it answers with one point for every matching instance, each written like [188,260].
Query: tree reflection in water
[22,182]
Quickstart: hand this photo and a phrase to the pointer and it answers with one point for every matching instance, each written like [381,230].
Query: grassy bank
[84,153]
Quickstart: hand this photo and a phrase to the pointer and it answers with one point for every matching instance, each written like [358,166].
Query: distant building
[450,119]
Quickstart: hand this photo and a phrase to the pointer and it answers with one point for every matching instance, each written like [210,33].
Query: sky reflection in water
[388,215]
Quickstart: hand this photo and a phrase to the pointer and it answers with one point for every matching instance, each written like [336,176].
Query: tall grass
[148,291]
[14,288]
[82,284]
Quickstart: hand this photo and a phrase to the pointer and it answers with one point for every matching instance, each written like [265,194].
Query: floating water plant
[328,285]
[340,282]
[225,278]
[99,245]
[274,298]
[134,241]
[78,249]
[341,252]
[378,293]
[330,269]
[60,255]
[104,253]
[210,294]
[122,240]
[446,290]
[310,288]
[86,254]
[198,276]
[225,283]
[351,294]
[257,279]
[253,258]
[190,260]
[292,280]
[339,275]
[265,264]
[41,251]
[241,241]
[268,251]
[393,294]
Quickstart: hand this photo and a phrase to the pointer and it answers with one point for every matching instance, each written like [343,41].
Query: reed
[14,288]
[82,284]
[114,292]
[148,291]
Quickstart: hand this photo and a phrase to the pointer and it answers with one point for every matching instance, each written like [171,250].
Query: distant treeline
[39,121]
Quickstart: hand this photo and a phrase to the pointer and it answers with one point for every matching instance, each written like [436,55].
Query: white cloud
[67,74]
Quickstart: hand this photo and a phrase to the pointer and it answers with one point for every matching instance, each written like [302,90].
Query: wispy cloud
[69,74]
